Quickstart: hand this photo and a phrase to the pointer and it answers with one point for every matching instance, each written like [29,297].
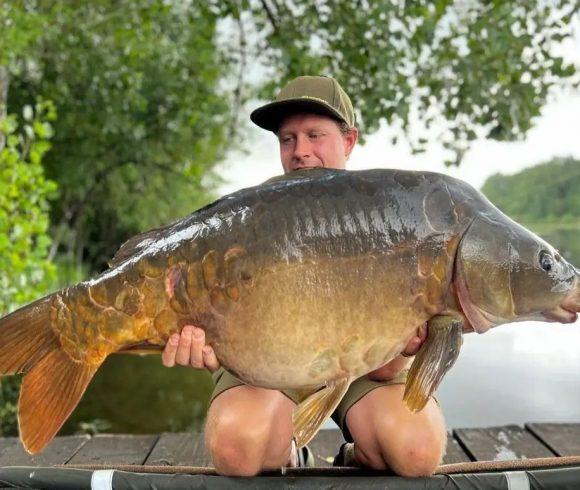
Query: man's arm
[189,349]
[394,367]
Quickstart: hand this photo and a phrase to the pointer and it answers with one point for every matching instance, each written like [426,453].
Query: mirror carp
[306,281]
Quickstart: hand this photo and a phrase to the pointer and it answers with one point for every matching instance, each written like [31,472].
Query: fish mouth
[567,310]
[561,315]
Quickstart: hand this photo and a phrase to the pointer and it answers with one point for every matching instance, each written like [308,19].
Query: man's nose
[303,148]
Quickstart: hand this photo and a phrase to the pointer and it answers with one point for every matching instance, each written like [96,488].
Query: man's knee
[413,456]
[235,447]
[408,451]
[239,436]
[388,435]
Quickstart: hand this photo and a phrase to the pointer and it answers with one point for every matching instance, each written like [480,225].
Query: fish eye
[546,261]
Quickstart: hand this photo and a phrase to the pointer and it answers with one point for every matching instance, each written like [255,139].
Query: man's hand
[394,367]
[189,349]
[416,342]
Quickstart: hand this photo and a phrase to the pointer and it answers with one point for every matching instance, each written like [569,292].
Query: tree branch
[4,83]
[270,16]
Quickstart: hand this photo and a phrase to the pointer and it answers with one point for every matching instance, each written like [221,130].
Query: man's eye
[314,135]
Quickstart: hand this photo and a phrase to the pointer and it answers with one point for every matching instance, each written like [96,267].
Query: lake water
[517,373]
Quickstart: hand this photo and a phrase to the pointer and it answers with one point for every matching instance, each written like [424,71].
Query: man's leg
[248,430]
[387,435]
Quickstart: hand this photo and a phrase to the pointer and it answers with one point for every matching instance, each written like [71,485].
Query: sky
[556,133]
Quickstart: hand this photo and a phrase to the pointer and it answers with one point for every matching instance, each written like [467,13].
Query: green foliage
[20,28]
[144,118]
[8,396]
[474,69]
[25,273]
[566,241]
[545,192]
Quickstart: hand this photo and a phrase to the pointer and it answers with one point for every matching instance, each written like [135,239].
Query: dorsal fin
[136,243]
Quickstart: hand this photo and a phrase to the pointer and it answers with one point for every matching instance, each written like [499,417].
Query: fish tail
[53,383]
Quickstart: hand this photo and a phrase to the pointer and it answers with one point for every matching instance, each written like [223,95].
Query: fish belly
[305,324]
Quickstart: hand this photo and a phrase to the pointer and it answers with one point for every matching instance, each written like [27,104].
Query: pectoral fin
[436,356]
[309,415]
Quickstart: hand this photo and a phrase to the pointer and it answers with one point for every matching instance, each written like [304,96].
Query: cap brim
[271,115]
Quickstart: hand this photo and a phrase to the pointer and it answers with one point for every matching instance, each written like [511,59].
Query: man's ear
[350,140]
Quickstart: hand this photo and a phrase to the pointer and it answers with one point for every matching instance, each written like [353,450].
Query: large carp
[309,280]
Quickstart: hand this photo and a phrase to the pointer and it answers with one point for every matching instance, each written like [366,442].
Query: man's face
[311,140]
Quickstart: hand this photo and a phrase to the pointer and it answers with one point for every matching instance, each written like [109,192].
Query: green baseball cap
[318,95]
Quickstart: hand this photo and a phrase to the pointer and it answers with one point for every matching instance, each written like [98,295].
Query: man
[249,429]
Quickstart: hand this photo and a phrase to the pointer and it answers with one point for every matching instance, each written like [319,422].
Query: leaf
[27,113]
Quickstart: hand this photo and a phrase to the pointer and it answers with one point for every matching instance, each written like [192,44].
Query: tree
[545,192]
[24,190]
[19,30]
[476,69]
[143,116]
[24,193]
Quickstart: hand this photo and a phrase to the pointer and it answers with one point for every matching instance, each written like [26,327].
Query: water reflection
[525,372]
[517,373]
[134,394]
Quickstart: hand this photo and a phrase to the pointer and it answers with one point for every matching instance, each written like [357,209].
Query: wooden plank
[6,443]
[188,449]
[59,451]
[179,449]
[325,446]
[200,453]
[115,449]
[501,443]
[563,439]
[327,442]
[454,453]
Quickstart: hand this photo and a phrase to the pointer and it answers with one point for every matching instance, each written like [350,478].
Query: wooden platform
[187,449]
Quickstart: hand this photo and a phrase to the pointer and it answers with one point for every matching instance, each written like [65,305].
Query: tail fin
[53,383]
[26,337]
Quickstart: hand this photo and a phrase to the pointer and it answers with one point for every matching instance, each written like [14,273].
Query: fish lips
[567,311]
[561,315]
